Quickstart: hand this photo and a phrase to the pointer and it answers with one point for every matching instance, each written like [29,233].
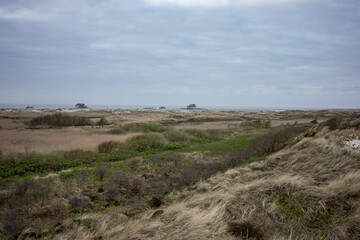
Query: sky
[243,53]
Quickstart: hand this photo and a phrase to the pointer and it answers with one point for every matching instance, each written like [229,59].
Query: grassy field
[154,181]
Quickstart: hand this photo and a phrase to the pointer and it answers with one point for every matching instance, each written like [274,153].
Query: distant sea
[133,107]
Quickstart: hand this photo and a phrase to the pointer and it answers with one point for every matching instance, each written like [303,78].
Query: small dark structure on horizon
[29,107]
[162,107]
[81,105]
[191,106]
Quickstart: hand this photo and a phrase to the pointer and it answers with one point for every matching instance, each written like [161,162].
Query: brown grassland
[181,175]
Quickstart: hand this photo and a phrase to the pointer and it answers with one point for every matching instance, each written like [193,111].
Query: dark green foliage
[146,142]
[20,164]
[174,145]
[59,120]
[273,141]
[24,163]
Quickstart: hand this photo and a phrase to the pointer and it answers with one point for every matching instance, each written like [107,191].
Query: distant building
[162,107]
[80,105]
[191,106]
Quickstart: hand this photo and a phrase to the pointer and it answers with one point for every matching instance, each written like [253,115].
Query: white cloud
[24,14]
[190,3]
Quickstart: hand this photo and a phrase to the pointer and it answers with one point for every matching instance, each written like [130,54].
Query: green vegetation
[176,136]
[144,127]
[134,175]
[257,124]
[102,122]
[59,120]
[110,146]
[118,130]
[146,142]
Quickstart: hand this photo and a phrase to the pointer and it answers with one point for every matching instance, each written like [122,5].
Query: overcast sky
[250,53]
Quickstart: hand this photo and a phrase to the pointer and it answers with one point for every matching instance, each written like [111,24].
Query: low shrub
[215,134]
[198,133]
[134,163]
[110,191]
[144,127]
[137,183]
[176,136]
[174,145]
[13,223]
[23,186]
[78,204]
[119,179]
[111,146]
[59,120]
[118,130]
[315,121]
[257,124]
[146,142]
[172,158]
[159,186]
[77,154]
[102,122]
[100,172]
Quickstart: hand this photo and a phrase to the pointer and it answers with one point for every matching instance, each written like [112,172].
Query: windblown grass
[309,190]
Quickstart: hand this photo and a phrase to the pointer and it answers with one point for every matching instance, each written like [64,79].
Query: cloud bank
[281,53]
[211,3]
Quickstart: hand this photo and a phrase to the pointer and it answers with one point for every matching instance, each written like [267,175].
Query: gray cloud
[290,54]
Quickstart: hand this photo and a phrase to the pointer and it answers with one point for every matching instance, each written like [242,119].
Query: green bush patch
[146,142]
